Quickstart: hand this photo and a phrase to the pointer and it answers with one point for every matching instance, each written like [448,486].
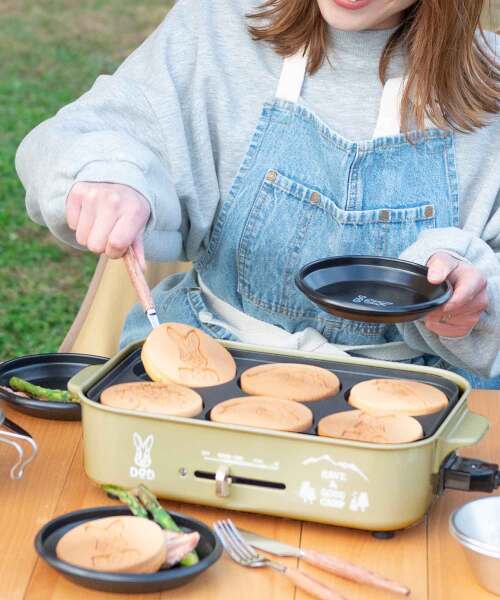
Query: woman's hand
[469,300]
[108,218]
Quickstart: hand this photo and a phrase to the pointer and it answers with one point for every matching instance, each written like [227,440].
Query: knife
[325,562]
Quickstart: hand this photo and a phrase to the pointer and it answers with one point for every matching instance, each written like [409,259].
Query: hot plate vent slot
[275,485]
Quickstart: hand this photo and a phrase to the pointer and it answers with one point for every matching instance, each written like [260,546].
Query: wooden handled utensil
[245,555]
[141,286]
[326,562]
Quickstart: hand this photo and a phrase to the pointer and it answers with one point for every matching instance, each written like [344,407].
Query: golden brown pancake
[397,396]
[122,544]
[301,383]
[356,425]
[154,397]
[264,412]
[178,353]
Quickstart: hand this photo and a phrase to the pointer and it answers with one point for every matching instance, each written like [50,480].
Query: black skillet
[209,551]
[47,370]
[372,289]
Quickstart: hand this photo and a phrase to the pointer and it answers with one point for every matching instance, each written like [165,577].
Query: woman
[378,134]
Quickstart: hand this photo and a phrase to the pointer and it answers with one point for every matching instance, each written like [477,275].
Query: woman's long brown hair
[452,73]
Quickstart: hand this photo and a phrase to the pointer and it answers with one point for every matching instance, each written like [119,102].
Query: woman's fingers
[453,328]
[469,300]
[107,218]
[104,222]
[73,207]
[440,265]
[467,283]
[86,218]
[478,305]
[120,238]
[123,235]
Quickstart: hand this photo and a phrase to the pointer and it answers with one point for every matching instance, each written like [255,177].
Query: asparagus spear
[136,508]
[164,520]
[39,392]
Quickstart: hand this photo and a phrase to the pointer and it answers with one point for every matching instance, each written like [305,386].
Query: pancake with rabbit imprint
[264,412]
[123,544]
[362,427]
[154,397]
[182,354]
[397,396]
[302,383]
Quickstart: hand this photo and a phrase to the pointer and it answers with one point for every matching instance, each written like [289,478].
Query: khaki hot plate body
[376,487]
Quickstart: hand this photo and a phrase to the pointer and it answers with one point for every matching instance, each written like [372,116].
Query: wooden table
[424,557]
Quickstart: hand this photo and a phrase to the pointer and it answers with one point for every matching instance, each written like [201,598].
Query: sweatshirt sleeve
[136,128]
[479,351]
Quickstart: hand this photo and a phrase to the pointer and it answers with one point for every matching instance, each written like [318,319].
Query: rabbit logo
[142,459]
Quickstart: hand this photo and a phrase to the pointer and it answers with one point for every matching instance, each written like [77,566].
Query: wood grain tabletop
[424,557]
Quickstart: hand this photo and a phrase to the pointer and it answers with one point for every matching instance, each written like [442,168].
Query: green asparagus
[136,508]
[38,392]
[162,517]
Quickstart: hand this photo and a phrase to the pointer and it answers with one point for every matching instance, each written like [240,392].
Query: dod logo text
[142,459]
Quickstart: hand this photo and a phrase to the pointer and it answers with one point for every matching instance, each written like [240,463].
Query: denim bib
[304,192]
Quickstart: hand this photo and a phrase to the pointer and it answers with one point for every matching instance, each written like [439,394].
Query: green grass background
[52,51]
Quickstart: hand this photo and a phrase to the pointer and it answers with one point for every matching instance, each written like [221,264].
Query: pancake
[178,353]
[362,427]
[154,397]
[397,396]
[123,544]
[301,383]
[264,412]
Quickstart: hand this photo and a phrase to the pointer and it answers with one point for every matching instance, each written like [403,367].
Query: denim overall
[304,192]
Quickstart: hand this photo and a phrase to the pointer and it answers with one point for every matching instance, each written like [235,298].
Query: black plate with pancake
[52,370]
[131,369]
[209,550]
[371,289]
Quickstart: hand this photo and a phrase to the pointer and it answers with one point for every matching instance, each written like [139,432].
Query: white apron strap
[292,77]
[389,116]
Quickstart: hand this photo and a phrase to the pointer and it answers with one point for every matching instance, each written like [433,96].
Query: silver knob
[222,481]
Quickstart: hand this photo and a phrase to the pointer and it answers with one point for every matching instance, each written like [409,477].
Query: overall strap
[292,77]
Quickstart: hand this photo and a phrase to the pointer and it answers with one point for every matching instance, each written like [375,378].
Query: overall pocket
[291,224]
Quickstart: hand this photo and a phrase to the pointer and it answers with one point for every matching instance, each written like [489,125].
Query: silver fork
[245,555]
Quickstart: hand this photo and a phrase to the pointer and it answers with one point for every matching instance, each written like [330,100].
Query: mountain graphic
[340,465]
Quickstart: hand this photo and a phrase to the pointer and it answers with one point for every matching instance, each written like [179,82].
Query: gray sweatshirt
[175,120]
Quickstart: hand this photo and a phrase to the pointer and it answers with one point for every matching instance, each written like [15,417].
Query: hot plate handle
[468,430]
[80,380]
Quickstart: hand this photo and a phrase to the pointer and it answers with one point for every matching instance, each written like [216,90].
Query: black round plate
[367,288]
[52,370]
[209,550]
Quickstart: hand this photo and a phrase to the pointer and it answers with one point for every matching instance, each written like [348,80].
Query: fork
[245,555]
